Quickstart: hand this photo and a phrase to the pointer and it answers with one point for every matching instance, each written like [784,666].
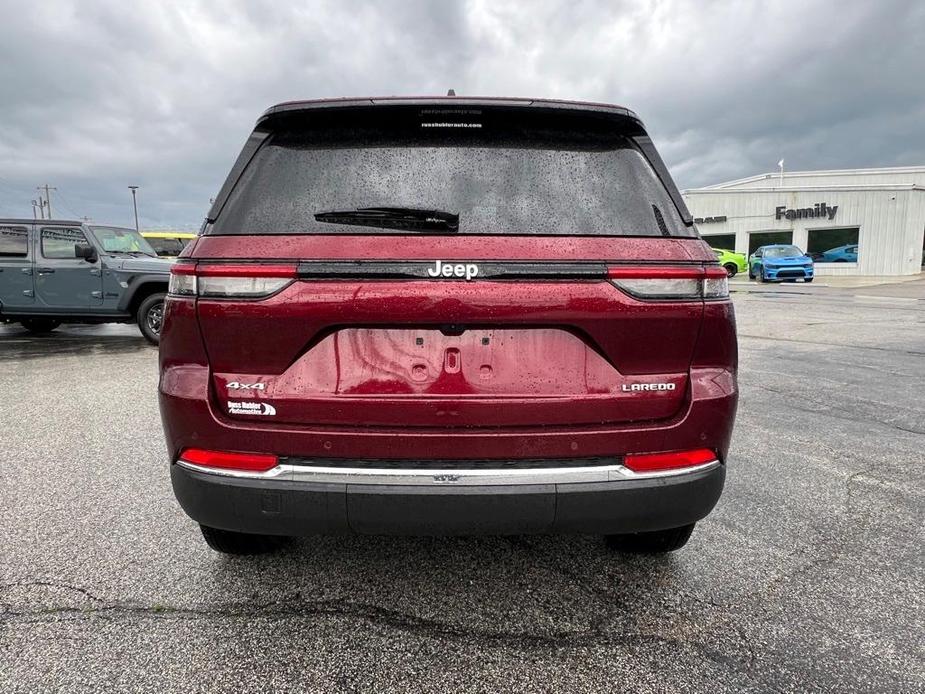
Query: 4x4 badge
[237,385]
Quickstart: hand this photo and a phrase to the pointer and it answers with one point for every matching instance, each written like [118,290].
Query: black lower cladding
[278,507]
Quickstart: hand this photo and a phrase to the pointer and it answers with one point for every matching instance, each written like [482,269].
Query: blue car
[780,262]
[841,254]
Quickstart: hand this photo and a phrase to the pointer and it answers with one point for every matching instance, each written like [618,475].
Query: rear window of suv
[491,173]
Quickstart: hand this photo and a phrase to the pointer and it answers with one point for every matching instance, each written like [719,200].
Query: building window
[833,245]
[726,242]
[757,239]
[59,243]
[14,241]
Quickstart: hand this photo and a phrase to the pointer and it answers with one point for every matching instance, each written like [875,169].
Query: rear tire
[731,269]
[150,317]
[39,326]
[231,542]
[657,542]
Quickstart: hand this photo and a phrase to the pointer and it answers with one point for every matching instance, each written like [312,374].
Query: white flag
[780,164]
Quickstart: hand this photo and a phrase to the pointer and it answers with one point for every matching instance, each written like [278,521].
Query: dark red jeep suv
[445,316]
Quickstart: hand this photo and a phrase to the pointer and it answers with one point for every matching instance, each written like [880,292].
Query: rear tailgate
[367,337]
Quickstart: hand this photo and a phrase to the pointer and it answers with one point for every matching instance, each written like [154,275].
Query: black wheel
[657,542]
[230,542]
[39,325]
[807,279]
[731,269]
[150,317]
[761,277]
[751,275]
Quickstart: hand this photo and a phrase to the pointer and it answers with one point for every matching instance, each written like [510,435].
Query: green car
[733,262]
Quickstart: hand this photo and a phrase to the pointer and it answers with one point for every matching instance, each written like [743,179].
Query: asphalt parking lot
[807,577]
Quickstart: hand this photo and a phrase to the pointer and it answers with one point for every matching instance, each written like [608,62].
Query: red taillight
[252,462]
[631,272]
[651,462]
[285,270]
[715,272]
[183,267]
[230,280]
[182,279]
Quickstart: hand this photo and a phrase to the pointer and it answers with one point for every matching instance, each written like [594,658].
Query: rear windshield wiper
[409,218]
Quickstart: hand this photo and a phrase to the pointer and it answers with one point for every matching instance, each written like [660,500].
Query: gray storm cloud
[100,95]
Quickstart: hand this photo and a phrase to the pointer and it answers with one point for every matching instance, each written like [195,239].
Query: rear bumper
[190,420]
[287,507]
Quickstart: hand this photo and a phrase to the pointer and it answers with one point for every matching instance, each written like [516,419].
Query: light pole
[135,205]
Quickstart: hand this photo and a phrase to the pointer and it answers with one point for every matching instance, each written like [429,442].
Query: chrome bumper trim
[455,478]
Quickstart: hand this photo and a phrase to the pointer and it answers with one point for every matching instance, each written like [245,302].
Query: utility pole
[41,205]
[135,205]
[46,188]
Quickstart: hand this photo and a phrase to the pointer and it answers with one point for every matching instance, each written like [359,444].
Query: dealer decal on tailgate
[251,407]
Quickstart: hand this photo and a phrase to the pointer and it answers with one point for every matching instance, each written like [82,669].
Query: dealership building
[852,222]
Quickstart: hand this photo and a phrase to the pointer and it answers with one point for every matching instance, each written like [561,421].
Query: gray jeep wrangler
[61,271]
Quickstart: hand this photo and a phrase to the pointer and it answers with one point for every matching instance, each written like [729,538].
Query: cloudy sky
[97,95]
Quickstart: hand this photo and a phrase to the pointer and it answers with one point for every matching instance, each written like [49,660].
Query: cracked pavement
[806,578]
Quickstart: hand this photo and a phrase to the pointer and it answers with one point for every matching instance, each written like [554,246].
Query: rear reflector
[226,280]
[253,462]
[678,283]
[651,462]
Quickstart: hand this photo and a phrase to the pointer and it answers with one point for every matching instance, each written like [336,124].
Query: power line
[13,192]
[66,205]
